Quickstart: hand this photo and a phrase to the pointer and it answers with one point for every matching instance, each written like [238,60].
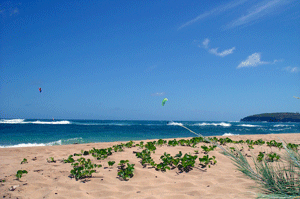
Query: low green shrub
[111,163]
[129,144]
[24,161]
[125,172]
[260,157]
[69,160]
[141,145]
[207,161]
[161,142]
[208,149]
[51,159]
[173,142]
[271,157]
[187,162]
[83,168]
[20,173]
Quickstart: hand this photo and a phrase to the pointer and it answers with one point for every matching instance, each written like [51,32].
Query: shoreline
[50,180]
[27,145]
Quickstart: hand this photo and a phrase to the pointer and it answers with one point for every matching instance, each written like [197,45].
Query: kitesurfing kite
[40,89]
[296,97]
[164,101]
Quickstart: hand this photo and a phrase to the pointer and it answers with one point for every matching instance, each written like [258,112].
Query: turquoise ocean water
[34,132]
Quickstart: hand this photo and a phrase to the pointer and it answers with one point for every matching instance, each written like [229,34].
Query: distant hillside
[273,117]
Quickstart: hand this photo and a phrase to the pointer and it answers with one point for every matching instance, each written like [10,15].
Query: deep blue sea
[34,132]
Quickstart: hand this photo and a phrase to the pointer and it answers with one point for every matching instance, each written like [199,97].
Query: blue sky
[213,59]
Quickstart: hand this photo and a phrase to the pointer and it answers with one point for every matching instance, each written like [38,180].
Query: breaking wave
[229,134]
[12,121]
[249,125]
[282,125]
[213,124]
[59,142]
[23,121]
[32,144]
[175,124]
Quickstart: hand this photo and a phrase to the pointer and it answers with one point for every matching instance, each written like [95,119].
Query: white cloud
[252,61]
[258,11]
[14,11]
[158,94]
[215,50]
[205,43]
[221,54]
[214,11]
[8,8]
[292,69]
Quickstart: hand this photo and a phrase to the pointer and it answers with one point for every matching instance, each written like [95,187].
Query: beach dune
[51,179]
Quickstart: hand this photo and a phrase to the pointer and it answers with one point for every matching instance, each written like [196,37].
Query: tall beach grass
[275,180]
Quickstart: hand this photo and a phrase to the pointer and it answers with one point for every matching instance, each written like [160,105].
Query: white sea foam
[11,121]
[279,129]
[175,124]
[282,125]
[22,121]
[249,125]
[23,145]
[52,122]
[72,141]
[213,124]
[33,144]
[276,129]
[229,134]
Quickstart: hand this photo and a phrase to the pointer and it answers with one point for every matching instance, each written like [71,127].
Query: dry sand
[50,180]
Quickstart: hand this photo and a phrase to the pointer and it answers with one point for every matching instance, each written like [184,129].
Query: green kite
[164,101]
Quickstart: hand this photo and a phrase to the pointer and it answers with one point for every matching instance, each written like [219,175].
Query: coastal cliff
[273,117]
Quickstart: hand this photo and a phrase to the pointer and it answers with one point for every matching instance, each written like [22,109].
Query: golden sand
[50,180]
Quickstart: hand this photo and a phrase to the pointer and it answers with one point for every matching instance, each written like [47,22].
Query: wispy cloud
[205,43]
[14,11]
[292,69]
[158,94]
[221,54]
[253,61]
[258,11]
[7,8]
[214,11]
[215,50]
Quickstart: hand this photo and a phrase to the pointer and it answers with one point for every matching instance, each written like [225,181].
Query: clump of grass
[276,180]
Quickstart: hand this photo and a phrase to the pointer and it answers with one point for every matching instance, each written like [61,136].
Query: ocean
[36,132]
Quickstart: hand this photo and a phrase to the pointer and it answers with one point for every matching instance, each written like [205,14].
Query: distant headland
[273,117]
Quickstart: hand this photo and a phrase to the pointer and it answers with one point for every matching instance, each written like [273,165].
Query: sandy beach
[51,179]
